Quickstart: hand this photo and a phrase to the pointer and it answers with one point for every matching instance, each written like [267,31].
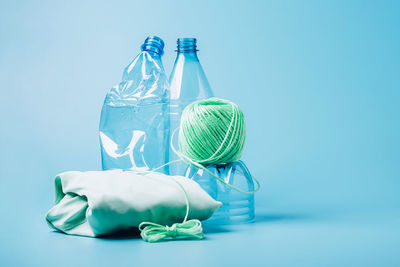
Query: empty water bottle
[188,83]
[134,120]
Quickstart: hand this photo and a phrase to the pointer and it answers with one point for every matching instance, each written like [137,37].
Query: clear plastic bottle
[236,207]
[188,83]
[134,121]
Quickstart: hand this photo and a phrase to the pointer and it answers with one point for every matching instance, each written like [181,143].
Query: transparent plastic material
[236,207]
[188,83]
[134,121]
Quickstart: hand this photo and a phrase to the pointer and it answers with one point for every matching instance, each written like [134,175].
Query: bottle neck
[153,44]
[186,45]
[156,57]
[155,47]
[188,55]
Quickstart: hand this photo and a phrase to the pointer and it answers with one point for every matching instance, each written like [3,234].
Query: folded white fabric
[96,203]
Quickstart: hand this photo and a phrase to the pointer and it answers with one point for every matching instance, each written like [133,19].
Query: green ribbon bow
[154,232]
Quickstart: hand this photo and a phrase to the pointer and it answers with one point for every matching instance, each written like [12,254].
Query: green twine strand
[153,232]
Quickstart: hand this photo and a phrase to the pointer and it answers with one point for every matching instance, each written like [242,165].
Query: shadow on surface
[209,228]
[282,217]
[133,233]
[262,218]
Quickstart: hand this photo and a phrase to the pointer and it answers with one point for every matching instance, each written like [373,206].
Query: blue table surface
[309,237]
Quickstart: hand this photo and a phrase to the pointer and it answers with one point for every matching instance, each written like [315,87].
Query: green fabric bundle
[97,203]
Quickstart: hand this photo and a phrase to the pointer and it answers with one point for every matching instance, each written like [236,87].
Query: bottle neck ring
[186,45]
[153,44]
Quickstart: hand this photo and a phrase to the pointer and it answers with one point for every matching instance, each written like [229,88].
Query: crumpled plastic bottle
[236,207]
[134,121]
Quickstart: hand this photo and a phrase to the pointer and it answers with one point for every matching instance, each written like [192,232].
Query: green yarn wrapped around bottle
[212,131]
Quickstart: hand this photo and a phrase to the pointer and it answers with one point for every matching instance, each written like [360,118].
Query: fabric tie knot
[171,231]
[153,232]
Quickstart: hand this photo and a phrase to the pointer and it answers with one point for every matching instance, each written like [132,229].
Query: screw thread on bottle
[153,44]
[186,45]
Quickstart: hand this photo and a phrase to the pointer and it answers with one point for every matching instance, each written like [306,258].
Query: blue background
[318,82]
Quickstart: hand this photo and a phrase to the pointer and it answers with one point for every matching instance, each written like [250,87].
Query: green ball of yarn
[212,131]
